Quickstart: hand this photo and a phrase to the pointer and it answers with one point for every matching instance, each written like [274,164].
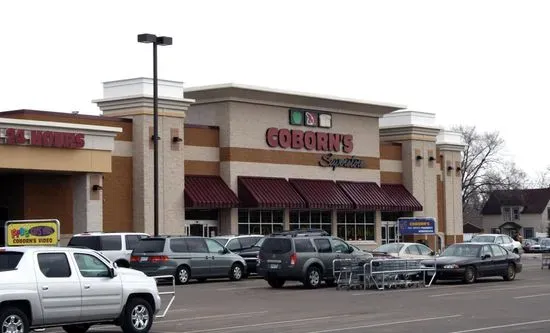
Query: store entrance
[390,232]
[201,229]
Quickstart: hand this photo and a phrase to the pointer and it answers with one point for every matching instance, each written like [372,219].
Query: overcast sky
[483,63]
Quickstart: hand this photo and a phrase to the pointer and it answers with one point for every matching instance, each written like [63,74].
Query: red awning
[322,194]
[367,195]
[267,192]
[208,192]
[403,200]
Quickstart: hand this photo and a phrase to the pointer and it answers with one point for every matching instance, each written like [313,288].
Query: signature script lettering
[329,161]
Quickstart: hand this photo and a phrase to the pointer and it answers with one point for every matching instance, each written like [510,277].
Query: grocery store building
[234,159]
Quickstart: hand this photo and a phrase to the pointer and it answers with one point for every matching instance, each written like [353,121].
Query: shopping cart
[545,260]
[348,273]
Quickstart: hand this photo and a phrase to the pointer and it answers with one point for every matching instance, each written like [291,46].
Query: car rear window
[276,245]
[90,242]
[150,245]
[9,260]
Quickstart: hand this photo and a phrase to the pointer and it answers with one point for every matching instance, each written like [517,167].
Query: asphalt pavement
[250,305]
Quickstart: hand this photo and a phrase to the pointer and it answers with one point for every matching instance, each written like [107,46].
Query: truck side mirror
[112,272]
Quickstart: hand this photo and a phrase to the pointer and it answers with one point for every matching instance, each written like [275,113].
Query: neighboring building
[524,211]
[470,228]
[233,159]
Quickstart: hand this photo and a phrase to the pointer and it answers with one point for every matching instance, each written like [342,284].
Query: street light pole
[163,40]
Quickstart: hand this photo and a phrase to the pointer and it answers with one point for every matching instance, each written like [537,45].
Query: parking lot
[252,306]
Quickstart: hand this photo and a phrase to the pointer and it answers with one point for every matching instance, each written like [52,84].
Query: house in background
[524,211]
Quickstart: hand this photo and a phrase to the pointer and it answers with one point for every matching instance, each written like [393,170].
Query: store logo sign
[300,117]
[329,161]
[15,136]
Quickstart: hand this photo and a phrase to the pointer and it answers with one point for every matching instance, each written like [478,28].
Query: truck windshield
[9,260]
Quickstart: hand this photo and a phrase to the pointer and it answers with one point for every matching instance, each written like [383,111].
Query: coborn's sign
[12,136]
[319,141]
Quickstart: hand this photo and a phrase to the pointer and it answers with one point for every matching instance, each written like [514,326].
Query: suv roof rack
[302,232]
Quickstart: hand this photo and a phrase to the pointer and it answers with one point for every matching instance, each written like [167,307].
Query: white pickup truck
[73,288]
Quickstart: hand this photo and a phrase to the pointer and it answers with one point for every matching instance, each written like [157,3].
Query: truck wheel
[313,277]
[13,320]
[81,328]
[137,317]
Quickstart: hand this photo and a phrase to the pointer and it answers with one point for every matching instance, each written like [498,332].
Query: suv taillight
[158,259]
[293,259]
[134,259]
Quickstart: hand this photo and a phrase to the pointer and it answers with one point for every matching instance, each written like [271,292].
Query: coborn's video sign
[32,232]
[416,225]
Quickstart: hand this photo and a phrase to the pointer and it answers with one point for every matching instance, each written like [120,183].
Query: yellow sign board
[32,233]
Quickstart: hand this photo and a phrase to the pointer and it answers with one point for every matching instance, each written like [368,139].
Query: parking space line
[227,315]
[492,289]
[503,326]
[529,296]
[386,324]
[217,329]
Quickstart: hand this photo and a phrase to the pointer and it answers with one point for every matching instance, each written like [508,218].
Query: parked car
[531,246]
[503,240]
[306,257]
[116,246]
[471,261]
[187,257]
[544,245]
[236,244]
[73,288]
[250,255]
[404,251]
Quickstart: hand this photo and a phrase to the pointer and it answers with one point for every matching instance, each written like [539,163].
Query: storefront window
[263,222]
[311,219]
[355,226]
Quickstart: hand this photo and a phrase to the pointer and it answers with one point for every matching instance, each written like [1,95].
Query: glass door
[390,232]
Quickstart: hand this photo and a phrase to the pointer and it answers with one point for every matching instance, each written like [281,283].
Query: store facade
[248,160]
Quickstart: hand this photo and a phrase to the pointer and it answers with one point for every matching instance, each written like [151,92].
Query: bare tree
[484,170]
[541,179]
[482,154]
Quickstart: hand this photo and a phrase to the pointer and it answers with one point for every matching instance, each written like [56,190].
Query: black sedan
[470,261]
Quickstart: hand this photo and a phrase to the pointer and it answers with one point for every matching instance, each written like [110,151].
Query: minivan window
[111,243]
[196,245]
[233,245]
[150,245]
[90,242]
[303,245]
[9,260]
[276,245]
[178,245]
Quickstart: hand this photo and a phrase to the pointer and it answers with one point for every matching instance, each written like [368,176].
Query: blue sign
[416,225]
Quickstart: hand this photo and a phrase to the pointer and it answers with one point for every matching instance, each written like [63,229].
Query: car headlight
[450,266]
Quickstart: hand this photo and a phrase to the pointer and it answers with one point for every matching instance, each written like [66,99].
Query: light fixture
[96,188]
[418,157]
[176,139]
[449,168]
[431,158]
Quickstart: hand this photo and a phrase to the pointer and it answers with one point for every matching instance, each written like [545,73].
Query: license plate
[142,259]
[273,266]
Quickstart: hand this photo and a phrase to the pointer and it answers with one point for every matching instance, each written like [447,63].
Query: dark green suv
[302,256]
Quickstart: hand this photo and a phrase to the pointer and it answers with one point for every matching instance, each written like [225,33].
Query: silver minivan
[186,257]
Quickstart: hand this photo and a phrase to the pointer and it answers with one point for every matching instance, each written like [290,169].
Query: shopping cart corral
[382,273]
[398,273]
[349,273]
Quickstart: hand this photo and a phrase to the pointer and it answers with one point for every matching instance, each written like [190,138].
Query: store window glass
[355,225]
[311,219]
[260,221]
